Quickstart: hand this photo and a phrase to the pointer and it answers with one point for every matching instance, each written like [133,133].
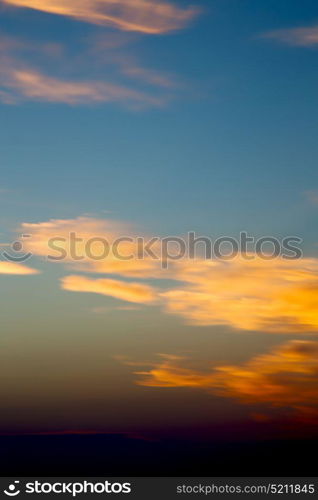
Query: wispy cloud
[111,50]
[15,268]
[306,36]
[85,229]
[107,309]
[286,377]
[37,86]
[125,83]
[278,296]
[130,292]
[144,16]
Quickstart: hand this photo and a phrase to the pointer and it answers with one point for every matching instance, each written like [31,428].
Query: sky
[147,118]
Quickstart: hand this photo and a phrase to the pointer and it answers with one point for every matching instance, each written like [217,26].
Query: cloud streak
[16,269]
[312,196]
[144,16]
[124,83]
[279,296]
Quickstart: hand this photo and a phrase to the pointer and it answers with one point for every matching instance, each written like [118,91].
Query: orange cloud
[15,268]
[19,80]
[299,37]
[266,295]
[287,377]
[145,16]
[124,262]
[130,292]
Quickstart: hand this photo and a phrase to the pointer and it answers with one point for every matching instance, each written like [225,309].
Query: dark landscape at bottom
[118,455]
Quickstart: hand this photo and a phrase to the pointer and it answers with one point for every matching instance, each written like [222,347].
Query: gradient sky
[201,118]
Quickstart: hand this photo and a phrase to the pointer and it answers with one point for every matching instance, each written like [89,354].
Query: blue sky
[242,116]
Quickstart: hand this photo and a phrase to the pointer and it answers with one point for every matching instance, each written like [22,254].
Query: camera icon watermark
[12,490]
